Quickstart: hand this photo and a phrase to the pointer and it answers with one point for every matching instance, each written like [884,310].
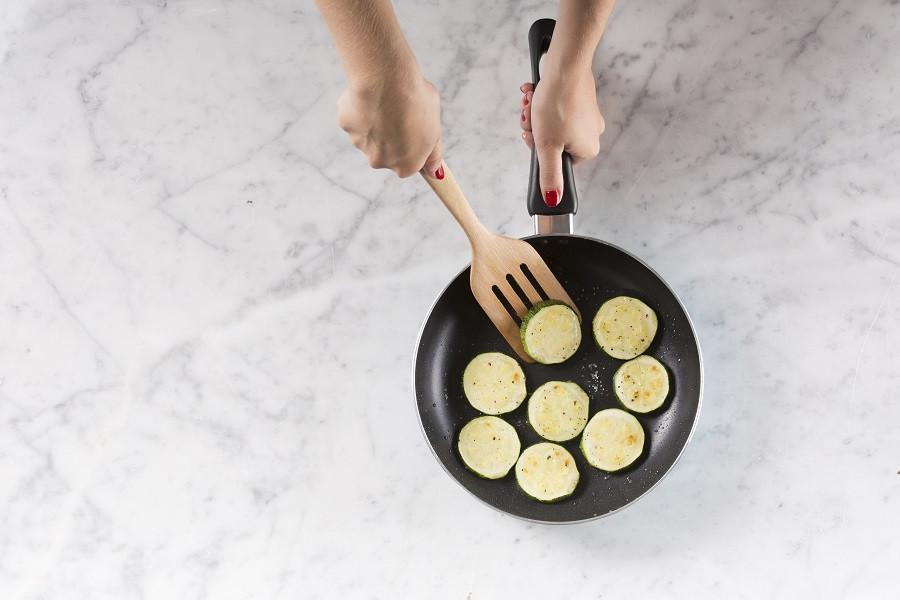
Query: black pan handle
[539,37]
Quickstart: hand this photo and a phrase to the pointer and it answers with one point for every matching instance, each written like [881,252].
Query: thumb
[433,162]
[550,161]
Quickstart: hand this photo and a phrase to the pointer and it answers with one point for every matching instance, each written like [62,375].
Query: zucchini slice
[489,446]
[494,383]
[612,440]
[624,327]
[642,384]
[551,332]
[547,472]
[558,410]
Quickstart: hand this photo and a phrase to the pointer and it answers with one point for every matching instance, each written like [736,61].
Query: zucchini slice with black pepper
[551,332]
[489,446]
[494,383]
[624,327]
[558,410]
[612,440]
[547,472]
[642,384]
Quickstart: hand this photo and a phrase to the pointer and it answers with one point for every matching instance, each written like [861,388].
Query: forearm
[579,25]
[368,39]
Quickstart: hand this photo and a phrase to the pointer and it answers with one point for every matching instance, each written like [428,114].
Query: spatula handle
[448,191]
[539,37]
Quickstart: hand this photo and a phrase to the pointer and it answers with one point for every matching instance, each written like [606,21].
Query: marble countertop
[209,303]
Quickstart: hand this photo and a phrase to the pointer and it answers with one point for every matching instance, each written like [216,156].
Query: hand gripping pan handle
[539,37]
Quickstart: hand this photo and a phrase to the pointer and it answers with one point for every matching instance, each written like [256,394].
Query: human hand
[561,115]
[396,121]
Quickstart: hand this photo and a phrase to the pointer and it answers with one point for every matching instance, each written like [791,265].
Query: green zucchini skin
[642,384]
[489,446]
[612,440]
[547,472]
[624,327]
[558,410]
[494,383]
[551,347]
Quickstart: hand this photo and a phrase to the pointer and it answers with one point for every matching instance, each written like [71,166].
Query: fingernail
[525,100]
[551,197]
[522,88]
[439,174]
[523,115]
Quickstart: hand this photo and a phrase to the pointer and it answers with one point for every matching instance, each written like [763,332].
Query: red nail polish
[551,197]
[439,174]
[526,101]
[523,115]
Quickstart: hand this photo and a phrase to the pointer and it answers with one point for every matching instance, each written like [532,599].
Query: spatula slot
[506,304]
[519,291]
[534,282]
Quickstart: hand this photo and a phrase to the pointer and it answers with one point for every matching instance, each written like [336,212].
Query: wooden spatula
[508,276]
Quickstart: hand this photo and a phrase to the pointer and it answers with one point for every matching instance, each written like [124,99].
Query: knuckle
[591,149]
[357,141]
[406,168]
[345,121]
[376,160]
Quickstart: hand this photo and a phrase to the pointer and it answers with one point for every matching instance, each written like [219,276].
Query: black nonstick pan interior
[592,272]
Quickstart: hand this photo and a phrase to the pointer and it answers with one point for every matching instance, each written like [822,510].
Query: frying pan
[592,271]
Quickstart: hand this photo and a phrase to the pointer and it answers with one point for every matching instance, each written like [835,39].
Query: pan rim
[681,450]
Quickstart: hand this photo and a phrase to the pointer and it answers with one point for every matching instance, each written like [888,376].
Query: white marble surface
[209,303]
